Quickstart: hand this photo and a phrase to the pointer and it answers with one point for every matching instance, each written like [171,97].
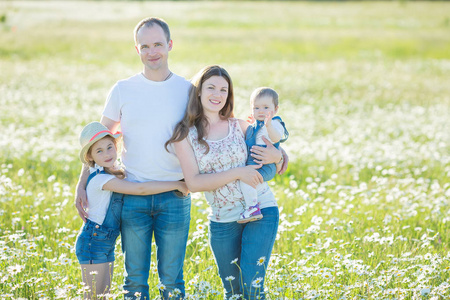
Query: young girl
[211,148]
[96,241]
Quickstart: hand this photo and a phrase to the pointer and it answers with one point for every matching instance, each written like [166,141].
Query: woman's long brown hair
[194,115]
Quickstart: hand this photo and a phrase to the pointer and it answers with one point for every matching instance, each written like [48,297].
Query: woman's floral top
[230,152]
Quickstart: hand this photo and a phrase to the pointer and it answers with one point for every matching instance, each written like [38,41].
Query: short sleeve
[100,180]
[278,127]
[112,108]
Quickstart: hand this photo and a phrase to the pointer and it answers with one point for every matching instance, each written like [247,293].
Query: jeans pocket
[180,195]
[100,234]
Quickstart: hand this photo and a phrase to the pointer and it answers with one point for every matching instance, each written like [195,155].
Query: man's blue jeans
[247,243]
[167,217]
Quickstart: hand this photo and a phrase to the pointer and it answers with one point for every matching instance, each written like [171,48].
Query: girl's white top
[98,199]
[227,202]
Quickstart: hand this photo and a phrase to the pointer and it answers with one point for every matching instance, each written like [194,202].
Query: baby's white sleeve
[278,127]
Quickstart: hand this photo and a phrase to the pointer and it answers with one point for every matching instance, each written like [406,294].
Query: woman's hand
[250,176]
[266,155]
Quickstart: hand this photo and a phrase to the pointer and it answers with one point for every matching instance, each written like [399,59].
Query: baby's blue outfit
[267,171]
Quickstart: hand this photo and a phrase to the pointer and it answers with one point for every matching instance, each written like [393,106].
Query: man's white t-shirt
[148,112]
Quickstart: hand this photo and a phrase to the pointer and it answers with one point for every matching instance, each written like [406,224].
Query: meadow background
[365,93]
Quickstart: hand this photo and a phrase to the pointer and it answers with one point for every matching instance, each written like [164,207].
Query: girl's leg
[257,243]
[98,274]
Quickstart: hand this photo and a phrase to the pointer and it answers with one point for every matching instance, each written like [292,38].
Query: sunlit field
[365,92]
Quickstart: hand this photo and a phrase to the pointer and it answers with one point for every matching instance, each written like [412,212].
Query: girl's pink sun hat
[92,133]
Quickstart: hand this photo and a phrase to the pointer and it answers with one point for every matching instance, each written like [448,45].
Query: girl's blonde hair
[119,173]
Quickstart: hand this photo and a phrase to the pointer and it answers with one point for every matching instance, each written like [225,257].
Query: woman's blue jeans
[247,243]
[167,217]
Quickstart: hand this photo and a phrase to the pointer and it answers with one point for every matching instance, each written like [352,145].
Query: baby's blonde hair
[264,91]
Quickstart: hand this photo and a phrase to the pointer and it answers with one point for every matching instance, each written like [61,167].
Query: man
[147,106]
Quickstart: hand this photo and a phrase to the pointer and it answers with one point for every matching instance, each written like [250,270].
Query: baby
[264,102]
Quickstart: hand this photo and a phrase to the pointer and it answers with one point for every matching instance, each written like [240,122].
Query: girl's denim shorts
[96,243]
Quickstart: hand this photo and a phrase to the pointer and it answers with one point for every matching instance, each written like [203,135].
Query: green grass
[364,92]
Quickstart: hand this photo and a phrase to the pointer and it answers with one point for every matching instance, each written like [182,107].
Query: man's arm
[283,163]
[81,202]
[110,124]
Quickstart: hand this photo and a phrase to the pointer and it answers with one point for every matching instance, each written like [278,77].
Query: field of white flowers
[364,90]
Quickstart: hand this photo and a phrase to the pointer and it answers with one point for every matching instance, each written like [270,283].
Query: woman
[210,145]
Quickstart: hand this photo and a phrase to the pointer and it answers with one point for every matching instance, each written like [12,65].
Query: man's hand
[81,203]
[284,163]
[182,187]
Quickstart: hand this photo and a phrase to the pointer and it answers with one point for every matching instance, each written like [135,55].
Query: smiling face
[263,106]
[103,152]
[153,48]
[213,94]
